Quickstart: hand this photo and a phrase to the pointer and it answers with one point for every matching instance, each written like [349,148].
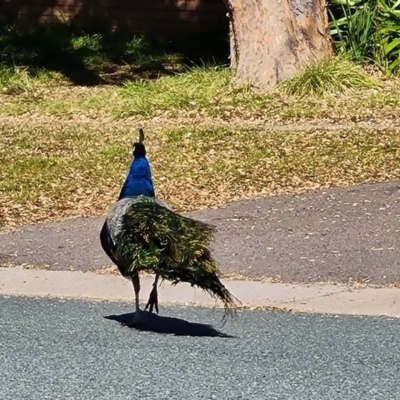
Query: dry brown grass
[54,170]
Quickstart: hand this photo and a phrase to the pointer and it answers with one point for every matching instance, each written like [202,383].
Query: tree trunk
[272,40]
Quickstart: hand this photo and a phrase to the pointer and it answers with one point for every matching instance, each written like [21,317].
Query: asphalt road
[53,349]
[332,235]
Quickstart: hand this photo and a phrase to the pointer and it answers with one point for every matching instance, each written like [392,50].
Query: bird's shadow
[168,325]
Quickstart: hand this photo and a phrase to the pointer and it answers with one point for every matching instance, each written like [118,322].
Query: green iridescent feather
[157,240]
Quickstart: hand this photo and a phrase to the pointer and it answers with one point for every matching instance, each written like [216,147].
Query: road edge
[331,299]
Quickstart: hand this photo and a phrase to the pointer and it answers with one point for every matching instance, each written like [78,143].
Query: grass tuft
[16,80]
[329,76]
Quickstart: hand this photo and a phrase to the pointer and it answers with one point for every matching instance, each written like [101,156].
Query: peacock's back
[115,216]
[147,235]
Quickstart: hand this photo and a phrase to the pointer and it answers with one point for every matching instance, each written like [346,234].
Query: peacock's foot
[153,300]
[138,318]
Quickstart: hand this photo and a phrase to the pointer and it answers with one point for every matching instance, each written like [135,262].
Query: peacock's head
[139,150]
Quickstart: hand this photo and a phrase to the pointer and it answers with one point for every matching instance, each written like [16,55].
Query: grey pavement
[59,350]
[339,234]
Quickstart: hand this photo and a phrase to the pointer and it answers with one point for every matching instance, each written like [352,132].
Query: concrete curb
[332,299]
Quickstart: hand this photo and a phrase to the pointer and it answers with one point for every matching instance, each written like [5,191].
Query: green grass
[202,93]
[41,71]
[198,88]
[52,171]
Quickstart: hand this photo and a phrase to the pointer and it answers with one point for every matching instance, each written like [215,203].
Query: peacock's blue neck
[138,181]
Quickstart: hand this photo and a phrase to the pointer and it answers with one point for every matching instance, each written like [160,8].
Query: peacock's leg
[153,298]
[136,288]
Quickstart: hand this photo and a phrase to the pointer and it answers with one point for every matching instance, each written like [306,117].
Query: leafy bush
[368,31]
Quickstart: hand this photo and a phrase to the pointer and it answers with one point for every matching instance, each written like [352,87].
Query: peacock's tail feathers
[156,239]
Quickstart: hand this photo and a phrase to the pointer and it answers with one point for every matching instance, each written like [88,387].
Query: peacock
[142,233]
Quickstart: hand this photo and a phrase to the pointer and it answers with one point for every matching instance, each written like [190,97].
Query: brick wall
[163,17]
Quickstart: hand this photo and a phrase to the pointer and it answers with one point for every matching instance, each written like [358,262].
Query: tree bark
[272,40]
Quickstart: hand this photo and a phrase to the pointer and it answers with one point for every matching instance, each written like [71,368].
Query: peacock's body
[143,233]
